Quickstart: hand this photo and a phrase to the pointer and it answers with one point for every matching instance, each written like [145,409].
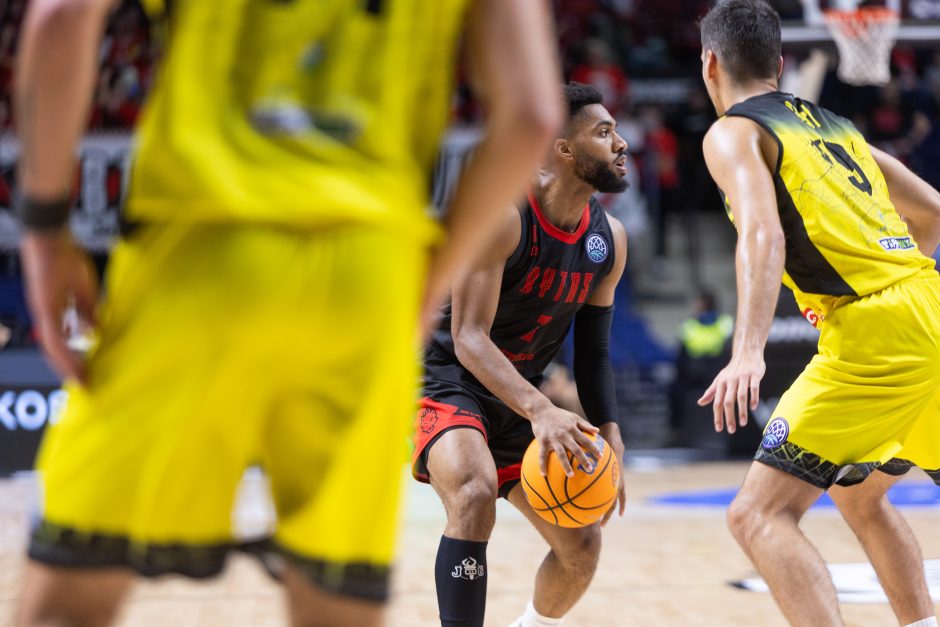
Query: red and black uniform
[547,280]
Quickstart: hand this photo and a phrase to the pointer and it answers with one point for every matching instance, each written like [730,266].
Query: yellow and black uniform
[871,396]
[264,309]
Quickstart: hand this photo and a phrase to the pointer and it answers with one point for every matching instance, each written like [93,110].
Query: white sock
[531,618]
[925,622]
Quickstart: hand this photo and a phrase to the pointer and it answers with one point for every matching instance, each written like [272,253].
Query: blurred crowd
[611,44]
[128,57]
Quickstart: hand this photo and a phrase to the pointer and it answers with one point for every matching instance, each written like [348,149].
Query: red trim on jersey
[508,473]
[554,231]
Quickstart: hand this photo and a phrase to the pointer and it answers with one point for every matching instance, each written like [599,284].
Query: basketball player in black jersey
[557,261]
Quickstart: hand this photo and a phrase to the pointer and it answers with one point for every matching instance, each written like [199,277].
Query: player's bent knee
[475,496]
[750,519]
[742,518]
[580,548]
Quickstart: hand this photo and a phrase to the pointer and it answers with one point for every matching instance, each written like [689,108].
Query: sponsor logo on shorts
[896,243]
[811,317]
[775,433]
[596,247]
[468,569]
[428,419]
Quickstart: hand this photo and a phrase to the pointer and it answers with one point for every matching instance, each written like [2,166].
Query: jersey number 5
[833,152]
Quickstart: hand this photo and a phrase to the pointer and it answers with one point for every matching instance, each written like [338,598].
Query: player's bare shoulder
[732,136]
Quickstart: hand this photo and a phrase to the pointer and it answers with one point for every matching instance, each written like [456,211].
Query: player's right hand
[737,385]
[558,430]
[58,275]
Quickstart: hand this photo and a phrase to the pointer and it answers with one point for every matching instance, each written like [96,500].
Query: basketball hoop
[864,38]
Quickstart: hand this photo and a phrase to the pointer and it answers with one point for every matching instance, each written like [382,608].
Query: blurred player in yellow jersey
[264,303]
[849,229]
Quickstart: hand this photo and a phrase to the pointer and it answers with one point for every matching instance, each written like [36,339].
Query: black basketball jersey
[549,277]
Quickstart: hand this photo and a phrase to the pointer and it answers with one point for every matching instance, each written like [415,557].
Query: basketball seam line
[588,486]
[549,508]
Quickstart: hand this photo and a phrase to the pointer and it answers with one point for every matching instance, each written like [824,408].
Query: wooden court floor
[660,566]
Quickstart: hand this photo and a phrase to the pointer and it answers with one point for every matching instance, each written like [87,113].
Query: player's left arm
[593,373]
[915,200]
[740,157]
[55,77]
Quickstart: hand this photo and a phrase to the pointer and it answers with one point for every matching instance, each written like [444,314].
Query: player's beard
[598,174]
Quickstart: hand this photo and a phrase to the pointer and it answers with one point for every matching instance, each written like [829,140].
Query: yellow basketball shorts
[871,397]
[226,346]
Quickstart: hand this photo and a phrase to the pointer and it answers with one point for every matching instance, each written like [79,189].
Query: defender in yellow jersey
[849,230]
[264,306]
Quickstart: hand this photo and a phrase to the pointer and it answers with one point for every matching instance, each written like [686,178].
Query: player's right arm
[56,69]
[917,202]
[473,309]
[740,157]
[514,61]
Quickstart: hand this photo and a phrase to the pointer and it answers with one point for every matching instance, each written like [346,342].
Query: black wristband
[44,215]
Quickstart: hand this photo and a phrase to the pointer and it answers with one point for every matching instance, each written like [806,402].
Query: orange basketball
[576,501]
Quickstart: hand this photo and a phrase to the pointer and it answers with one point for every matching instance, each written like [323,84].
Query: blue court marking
[920,494]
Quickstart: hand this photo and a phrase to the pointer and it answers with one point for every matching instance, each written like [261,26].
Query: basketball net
[864,38]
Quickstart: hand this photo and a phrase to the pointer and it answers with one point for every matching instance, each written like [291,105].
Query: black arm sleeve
[592,370]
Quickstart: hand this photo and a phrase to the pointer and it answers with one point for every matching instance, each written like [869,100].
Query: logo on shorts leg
[775,433]
[428,419]
[468,569]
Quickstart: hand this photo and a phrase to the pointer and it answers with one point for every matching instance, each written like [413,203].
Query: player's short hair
[745,36]
[578,96]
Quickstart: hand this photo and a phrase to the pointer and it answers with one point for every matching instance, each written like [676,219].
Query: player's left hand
[59,275]
[737,384]
[611,433]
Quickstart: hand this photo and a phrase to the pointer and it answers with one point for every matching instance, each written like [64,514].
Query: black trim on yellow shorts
[61,546]
[811,468]
[897,467]
[362,580]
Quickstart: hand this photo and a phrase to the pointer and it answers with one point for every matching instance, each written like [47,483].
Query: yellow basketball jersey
[843,235]
[304,112]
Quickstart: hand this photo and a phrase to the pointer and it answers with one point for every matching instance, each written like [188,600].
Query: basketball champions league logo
[775,433]
[596,247]
[468,569]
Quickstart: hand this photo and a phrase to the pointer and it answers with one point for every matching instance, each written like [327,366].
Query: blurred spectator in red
[573,19]
[128,38]
[7,60]
[894,124]
[600,71]
[662,146]
[120,100]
